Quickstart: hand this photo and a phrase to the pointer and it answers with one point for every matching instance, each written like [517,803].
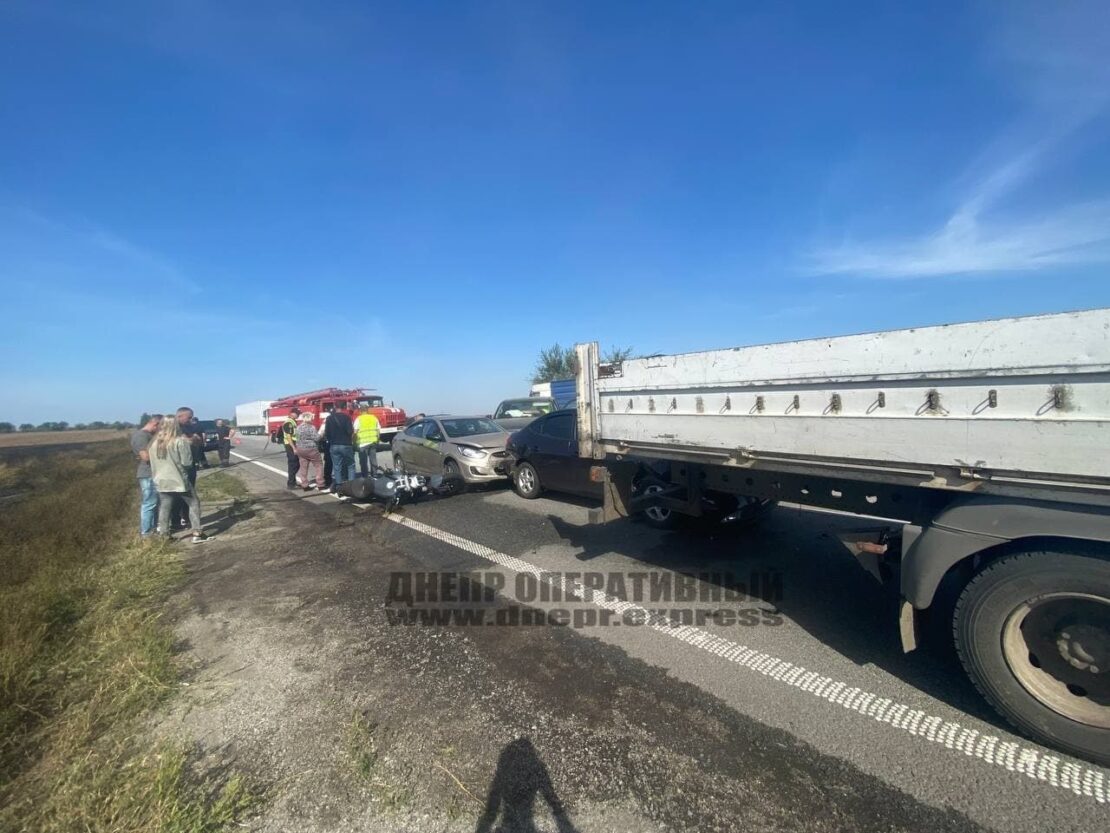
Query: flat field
[59,437]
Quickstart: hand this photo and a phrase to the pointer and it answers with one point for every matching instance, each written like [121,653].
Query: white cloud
[968,244]
[86,238]
[1055,59]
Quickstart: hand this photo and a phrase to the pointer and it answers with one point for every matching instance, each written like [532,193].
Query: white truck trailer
[250,417]
[988,442]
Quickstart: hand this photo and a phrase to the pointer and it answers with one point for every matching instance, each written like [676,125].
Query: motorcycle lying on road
[395,488]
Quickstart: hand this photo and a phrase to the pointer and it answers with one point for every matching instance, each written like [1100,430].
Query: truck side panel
[1025,398]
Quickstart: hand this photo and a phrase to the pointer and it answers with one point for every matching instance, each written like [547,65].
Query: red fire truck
[349,400]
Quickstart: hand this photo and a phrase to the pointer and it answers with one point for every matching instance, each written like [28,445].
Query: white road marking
[1076,777]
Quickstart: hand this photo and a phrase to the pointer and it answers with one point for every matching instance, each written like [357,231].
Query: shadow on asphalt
[824,590]
[521,777]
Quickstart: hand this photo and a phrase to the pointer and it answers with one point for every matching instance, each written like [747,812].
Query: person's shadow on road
[519,778]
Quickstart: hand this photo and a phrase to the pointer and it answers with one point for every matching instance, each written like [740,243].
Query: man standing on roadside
[190,428]
[367,434]
[339,432]
[289,440]
[148,508]
[224,433]
[200,459]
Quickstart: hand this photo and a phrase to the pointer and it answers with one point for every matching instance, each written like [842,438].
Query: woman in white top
[171,454]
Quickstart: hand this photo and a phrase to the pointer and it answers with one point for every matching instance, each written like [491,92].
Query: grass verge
[389,790]
[219,485]
[85,655]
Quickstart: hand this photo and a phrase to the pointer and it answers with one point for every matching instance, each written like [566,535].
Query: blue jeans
[342,463]
[365,454]
[148,509]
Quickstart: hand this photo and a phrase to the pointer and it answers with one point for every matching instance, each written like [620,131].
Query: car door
[556,436]
[578,468]
[411,443]
[431,451]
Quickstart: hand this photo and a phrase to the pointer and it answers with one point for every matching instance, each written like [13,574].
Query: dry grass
[85,655]
[17,440]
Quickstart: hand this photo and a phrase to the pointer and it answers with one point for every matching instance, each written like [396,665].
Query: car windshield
[207,425]
[525,407]
[470,426]
[371,402]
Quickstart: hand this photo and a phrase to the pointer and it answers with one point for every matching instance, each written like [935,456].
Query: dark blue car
[546,455]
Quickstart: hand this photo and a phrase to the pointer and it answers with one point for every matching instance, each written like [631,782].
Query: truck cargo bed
[969,406]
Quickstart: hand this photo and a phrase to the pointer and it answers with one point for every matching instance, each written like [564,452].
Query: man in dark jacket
[187,423]
[339,432]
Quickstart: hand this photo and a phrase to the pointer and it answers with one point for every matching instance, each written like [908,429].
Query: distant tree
[144,419]
[558,362]
[555,362]
[53,426]
[119,426]
[26,426]
[98,424]
[6,428]
[80,427]
[615,355]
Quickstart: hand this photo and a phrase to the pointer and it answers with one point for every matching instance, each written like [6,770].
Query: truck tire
[526,481]
[1033,632]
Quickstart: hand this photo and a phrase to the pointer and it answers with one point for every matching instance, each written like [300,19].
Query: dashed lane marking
[1077,778]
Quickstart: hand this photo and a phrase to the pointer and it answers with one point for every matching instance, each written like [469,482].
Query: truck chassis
[983,445]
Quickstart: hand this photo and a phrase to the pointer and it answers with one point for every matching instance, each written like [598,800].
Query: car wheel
[452,477]
[526,480]
[1033,633]
[656,516]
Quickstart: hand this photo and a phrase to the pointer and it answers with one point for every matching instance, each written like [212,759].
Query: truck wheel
[527,481]
[1033,633]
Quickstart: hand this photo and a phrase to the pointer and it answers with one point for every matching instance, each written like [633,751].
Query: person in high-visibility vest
[367,433]
[289,441]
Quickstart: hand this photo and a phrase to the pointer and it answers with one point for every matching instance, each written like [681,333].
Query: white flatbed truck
[989,442]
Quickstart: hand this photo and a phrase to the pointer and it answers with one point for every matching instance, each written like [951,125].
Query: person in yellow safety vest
[367,433]
[289,441]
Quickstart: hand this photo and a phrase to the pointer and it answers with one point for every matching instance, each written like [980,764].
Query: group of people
[323,458]
[170,449]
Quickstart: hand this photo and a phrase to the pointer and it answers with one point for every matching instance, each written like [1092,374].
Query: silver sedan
[469,448]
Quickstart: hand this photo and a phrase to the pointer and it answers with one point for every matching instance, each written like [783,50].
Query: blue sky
[209,203]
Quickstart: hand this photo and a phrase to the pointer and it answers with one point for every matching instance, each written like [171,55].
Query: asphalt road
[820,660]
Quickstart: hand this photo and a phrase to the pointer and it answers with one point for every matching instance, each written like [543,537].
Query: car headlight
[472,453]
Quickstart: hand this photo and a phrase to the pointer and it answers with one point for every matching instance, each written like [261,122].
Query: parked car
[545,456]
[467,448]
[211,438]
[512,414]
